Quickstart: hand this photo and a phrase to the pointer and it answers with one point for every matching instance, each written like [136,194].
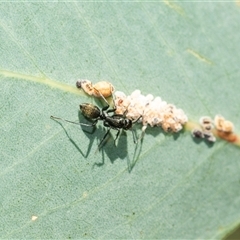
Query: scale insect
[107,115]
[100,89]
[205,131]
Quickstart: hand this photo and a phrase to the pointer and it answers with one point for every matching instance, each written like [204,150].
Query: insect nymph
[111,121]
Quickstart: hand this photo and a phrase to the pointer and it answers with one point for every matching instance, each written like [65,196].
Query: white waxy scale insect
[150,111]
[206,125]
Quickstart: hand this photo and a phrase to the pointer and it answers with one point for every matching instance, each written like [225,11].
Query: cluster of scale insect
[150,111]
[223,128]
[147,110]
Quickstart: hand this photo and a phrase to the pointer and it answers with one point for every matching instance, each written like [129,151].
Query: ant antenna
[77,123]
[104,99]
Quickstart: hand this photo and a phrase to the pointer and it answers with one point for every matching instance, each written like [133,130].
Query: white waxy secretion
[150,111]
[206,125]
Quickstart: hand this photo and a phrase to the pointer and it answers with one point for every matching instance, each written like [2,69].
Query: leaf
[51,186]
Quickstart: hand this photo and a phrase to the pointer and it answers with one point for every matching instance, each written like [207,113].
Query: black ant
[114,121]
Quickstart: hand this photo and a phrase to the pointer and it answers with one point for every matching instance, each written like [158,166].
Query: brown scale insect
[223,125]
[224,129]
[99,89]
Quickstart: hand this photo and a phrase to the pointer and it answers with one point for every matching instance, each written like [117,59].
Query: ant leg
[94,123]
[125,113]
[137,119]
[135,140]
[143,133]
[77,123]
[106,107]
[111,110]
[102,96]
[104,137]
[117,135]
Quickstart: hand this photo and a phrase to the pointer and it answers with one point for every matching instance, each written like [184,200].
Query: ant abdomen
[89,110]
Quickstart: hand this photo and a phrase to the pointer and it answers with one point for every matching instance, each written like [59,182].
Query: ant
[114,121]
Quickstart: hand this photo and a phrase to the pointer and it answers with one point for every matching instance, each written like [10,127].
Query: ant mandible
[114,121]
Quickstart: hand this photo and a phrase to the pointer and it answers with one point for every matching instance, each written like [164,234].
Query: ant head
[127,123]
[90,111]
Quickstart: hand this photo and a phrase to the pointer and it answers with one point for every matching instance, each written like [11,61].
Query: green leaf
[53,184]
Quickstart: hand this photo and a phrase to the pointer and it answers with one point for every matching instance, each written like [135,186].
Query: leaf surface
[167,187]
